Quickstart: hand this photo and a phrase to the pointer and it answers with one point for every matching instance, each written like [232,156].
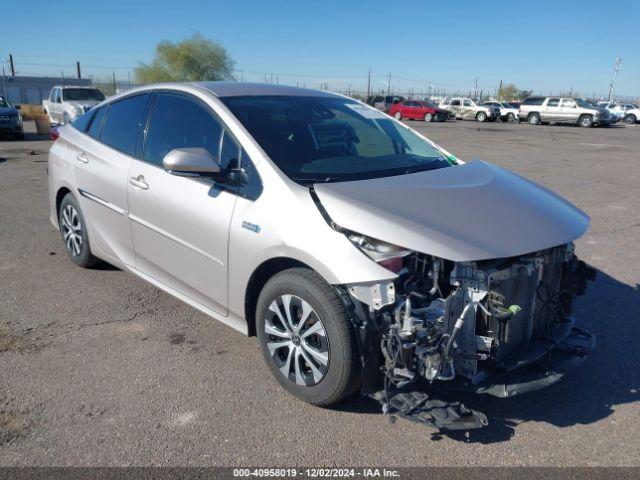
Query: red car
[418,110]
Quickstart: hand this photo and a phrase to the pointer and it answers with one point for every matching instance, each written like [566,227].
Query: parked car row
[534,110]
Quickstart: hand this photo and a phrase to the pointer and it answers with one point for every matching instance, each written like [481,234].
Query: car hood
[84,103]
[8,111]
[474,211]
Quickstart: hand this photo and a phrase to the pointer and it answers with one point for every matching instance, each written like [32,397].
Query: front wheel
[630,119]
[481,117]
[307,338]
[534,119]
[428,117]
[586,121]
[511,117]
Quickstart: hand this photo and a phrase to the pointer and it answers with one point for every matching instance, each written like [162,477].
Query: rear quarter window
[82,122]
[96,122]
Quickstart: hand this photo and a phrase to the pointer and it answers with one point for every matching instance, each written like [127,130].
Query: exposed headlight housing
[384,254]
[75,111]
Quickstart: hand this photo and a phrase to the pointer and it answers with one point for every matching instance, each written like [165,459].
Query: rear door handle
[82,158]
[139,182]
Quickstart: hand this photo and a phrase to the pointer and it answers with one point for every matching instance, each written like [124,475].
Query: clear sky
[539,45]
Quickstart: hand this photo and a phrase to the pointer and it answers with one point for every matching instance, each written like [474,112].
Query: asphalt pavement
[99,368]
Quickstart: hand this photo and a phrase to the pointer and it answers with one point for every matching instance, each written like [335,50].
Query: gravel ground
[99,368]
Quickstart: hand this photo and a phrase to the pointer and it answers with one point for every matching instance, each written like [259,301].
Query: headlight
[384,254]
[75,111]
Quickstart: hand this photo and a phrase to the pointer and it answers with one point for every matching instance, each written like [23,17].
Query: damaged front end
[500,327]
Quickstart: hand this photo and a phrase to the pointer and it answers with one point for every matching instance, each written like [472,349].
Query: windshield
[74,94]
[583,103]
[330,139]
[3,103]
[429,103]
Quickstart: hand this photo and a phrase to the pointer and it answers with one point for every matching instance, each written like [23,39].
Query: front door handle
[139,182]
[82,158]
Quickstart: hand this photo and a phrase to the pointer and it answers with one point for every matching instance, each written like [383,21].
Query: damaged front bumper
[540,365]
[500,327]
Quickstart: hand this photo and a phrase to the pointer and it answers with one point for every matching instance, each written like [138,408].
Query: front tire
[73,229]
[481,117]
[585,121]
[630,119]
[511,117]
[534,119]
[428,117]
[307,338]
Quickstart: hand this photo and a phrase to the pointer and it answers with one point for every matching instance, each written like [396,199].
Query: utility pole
[4,82]
[13,69]
[500,91]
[389,84]
[78,69]
[369,85]
[613,80]
[113,76]
[62,77]
[476,91]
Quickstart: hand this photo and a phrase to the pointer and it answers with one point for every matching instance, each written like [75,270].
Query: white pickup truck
[66,103]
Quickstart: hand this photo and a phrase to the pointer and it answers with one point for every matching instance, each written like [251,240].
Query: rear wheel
[397,116]
[428,117]
[585,121]
[481,117]
[307,338]
[534,118]
[74,233]
[630,119]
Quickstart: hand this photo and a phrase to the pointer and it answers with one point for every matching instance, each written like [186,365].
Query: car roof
[245,89]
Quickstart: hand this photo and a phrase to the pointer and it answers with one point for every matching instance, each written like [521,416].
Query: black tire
[80,254]
[481,117]
[585,121]
[630,119]
[19,136]
[342,374]
[511,117]
[534,119]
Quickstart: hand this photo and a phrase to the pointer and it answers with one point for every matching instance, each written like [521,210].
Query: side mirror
[189,162]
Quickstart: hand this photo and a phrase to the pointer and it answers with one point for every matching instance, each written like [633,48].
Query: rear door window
[123,125]
[553,102]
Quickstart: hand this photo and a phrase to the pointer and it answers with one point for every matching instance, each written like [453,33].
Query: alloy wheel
[297,340]
[72,230]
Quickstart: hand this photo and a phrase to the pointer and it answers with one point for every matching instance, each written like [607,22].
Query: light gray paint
[468,212]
